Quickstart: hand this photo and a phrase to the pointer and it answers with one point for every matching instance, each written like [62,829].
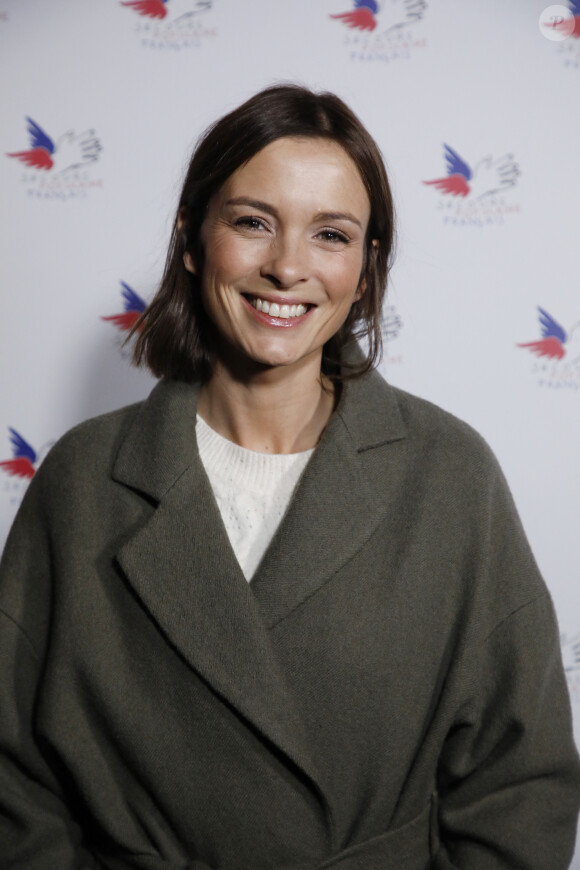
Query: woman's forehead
[300,170]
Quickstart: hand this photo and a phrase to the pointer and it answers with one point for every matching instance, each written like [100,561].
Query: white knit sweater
[252,490]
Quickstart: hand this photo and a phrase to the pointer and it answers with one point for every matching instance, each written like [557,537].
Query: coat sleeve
[508,782]
[509,777]
[36,830]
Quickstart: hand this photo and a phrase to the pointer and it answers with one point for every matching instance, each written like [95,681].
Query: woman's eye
[333,236]
[249,223]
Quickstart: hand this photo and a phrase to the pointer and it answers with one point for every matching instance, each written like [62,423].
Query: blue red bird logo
[390,14]
[24,458]
[362,17]
[162,8]
[149,8]
[133,307]
[489,176]
[70,151]
[554,342]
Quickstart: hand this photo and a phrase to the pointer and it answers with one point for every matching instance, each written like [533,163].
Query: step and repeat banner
[475,107]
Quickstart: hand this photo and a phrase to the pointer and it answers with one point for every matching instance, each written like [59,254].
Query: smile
[273,309]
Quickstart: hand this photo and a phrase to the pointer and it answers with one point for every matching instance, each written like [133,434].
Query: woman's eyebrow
[338,216]
[270,209]
[253,203]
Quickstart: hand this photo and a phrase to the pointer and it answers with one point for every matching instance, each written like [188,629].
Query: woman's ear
[182,229]
[188,263]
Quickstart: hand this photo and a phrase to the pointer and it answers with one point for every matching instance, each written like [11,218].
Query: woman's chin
[275,355]
[258,361]
[284,358]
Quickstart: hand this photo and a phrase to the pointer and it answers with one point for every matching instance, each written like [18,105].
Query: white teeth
[285,312]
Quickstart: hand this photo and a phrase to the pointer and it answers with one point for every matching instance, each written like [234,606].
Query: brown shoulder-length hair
[174,334]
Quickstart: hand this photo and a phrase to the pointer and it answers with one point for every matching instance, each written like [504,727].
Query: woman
[280,615]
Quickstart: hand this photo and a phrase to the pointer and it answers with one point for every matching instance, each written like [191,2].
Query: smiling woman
[286,202]
[269,245]
[282,265]
[280,615]
[175,338]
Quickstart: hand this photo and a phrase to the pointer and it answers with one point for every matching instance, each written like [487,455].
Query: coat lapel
[181,564]
[342,497]
[182,567]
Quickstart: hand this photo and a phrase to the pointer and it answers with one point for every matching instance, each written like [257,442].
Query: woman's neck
[274,411]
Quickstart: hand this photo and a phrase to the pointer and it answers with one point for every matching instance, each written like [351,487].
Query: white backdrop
[116,99]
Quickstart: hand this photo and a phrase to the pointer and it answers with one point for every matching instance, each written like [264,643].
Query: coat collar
[181,565]
[161,446]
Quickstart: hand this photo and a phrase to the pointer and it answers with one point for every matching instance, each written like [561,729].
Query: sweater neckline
[244,467]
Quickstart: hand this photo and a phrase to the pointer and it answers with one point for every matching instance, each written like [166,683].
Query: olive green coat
[387,693]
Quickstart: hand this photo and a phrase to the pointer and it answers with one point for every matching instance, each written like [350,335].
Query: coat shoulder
[434,423]
[434,433]
[89,447]
[471,496]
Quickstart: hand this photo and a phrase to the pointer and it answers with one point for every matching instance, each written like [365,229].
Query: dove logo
[475,196]
[362,17]
[133,307]
[381,31]
[57,168]
[558,353]
[18,471]
[554,338]
[23,462]
[170,24]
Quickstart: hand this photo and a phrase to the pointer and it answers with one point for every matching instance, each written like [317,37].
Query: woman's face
[284,243]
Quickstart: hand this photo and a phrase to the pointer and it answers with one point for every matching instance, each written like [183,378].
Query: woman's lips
[277,313]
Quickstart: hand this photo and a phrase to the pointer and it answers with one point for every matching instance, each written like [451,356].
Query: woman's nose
[286,263]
